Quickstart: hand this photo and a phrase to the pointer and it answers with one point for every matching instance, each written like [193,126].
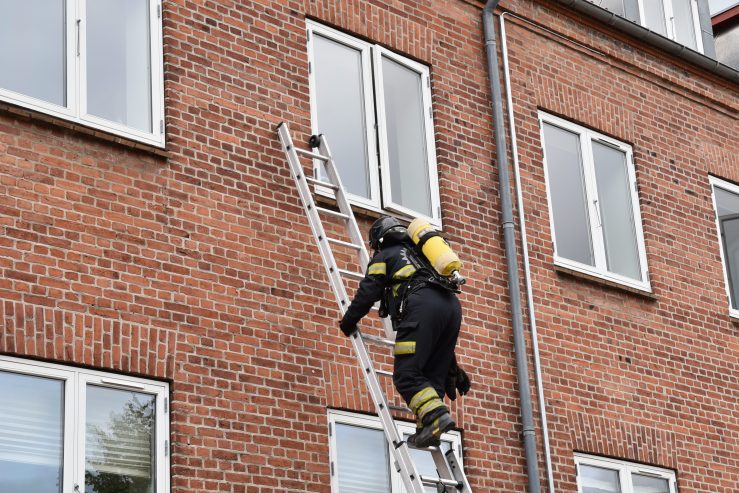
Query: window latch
[597,212]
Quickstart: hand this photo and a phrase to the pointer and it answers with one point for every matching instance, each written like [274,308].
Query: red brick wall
[198,267]
[651,379]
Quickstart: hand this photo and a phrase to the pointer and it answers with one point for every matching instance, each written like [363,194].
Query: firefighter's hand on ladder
[347,328]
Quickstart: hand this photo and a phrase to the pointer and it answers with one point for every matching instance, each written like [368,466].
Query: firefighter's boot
[434,425]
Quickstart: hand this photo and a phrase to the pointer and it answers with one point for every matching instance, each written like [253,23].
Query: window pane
[119,62]
[31,433]
[119,442]
[615,6]
[362,460]
[655,16]
[341,112]
[406,137]
[32,49]
[567,190]
[647,484]
[684,27]
[727,205]
[424,462]
[616,212]
[598,480]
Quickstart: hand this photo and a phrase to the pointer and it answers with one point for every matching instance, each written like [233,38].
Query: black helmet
[384,229]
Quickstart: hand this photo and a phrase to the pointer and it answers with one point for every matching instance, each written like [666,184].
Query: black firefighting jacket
[389,273]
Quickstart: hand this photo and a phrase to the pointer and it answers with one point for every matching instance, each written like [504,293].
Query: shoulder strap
[424,267]
[416,257]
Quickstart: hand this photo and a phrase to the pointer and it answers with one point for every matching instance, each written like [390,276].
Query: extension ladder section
[451,476]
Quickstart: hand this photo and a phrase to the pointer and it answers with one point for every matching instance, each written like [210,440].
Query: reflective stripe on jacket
[389,267]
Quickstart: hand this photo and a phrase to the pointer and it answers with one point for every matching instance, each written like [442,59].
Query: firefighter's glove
[347,328]
[463,381]
[456,381]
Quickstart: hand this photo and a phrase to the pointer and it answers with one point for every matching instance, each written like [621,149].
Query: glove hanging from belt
[456,381]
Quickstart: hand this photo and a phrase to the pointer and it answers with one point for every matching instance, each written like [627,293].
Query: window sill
[38,116]
[359,211]
[566,271]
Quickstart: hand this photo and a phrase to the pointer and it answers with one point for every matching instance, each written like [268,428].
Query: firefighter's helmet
[386,230]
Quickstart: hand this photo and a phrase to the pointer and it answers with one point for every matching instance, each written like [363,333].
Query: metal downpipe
[525,255]
[514,290]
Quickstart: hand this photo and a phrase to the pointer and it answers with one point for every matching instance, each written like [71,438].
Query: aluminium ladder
[451,476]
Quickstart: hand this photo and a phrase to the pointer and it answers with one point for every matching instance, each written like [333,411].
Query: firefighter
[426,315]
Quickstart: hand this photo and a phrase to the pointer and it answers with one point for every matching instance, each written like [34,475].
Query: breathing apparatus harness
[424,276]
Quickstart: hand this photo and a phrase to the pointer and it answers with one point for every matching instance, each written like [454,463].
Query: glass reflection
[567,191]
[648,484]
[599,480]
[33,41]
[119,444]
[31,433]
[406,137]
[340,110]
[119,62]
[362,460]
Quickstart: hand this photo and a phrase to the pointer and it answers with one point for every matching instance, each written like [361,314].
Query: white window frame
[373,202]
[670,21]
[373,423]
[377,144]
[75,385]
[586,136]
[423,71]
[731,188]
[625,470]
[76,80]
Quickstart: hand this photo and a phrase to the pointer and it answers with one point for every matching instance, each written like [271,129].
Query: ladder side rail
[343,203]
[411,478]
[440,461]
[315,221]
[457,470]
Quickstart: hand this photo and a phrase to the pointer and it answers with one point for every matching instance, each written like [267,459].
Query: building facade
[167,323]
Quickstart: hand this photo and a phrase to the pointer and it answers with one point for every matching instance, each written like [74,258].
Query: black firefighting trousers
[424,348]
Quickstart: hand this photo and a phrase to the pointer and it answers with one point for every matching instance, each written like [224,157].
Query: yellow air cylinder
[434,247]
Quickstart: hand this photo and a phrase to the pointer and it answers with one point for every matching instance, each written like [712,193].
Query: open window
[374,106]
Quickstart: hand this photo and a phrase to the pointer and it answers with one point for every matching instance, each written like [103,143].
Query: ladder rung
[321,183]
[378,340]
[435,481]
[332,213]
[344,243]
[310,154]
[353,275]
[384,373]
[428,449]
